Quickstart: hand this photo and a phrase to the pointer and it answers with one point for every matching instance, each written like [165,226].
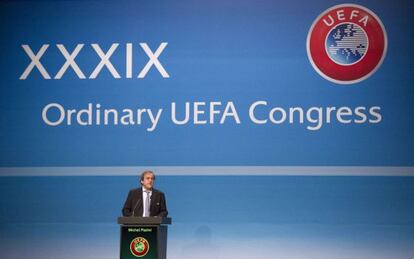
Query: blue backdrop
[235,188]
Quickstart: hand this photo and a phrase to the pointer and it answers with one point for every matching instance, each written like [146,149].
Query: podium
[143,237]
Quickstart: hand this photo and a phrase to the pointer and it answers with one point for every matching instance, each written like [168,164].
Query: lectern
[143,237]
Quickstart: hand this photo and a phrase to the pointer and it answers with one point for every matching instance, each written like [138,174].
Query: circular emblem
[139,246]
[346,43]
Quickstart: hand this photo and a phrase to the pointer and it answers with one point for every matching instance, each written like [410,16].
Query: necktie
[147,205]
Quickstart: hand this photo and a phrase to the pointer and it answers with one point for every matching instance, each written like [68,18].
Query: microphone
[133,211]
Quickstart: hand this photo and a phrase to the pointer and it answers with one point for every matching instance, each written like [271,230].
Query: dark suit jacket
[158,205]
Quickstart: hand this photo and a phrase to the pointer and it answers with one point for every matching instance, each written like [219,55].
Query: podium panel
[144,238]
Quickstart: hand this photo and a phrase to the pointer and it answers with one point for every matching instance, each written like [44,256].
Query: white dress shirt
[144,198]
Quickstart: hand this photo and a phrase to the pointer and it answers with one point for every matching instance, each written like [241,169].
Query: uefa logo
[139,247]
[346,43]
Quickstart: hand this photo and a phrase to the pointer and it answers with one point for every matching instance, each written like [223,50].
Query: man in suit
[145,201]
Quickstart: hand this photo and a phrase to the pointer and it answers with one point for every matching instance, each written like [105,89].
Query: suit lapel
[140,206]
[153,200]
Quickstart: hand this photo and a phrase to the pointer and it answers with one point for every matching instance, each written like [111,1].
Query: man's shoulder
[157,191]
[135,190]
[139,190]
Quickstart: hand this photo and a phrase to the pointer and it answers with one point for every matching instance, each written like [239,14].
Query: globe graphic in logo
[346,44]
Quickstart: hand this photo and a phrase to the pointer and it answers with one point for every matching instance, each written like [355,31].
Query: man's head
[147,179]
